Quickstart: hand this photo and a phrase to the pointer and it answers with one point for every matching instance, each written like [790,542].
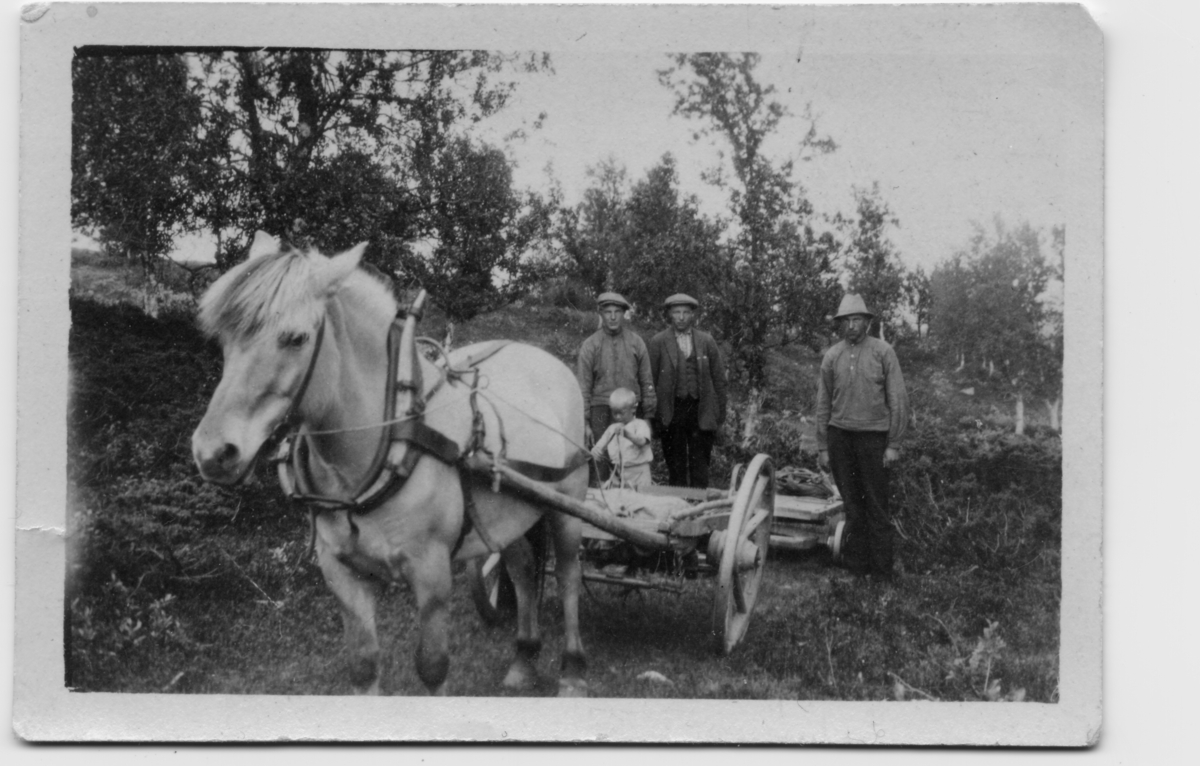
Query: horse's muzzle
[221,462]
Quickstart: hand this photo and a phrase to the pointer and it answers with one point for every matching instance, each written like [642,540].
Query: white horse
[305,341]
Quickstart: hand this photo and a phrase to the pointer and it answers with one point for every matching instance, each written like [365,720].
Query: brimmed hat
[614,299]
[680,299]
[852,304]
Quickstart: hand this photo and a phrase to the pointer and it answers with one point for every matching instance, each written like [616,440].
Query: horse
[390,449]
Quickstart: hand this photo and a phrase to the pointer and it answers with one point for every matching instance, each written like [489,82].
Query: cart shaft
[580,510]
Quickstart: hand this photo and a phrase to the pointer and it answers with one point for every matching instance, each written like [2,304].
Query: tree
[919,296]
[593,232]
[288,113]
[136,148]
[989,309]
[666,244]
[482,228]
[762,302]
[872,261]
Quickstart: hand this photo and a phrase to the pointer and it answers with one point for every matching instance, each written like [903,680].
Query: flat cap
[612,299]
[681,299]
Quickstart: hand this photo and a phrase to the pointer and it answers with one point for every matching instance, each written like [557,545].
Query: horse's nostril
[227,453]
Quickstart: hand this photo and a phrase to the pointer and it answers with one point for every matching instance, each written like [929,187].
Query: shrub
[119,627]
[564,292]
[967,495]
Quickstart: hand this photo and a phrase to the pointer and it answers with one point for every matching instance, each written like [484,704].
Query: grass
[178,586]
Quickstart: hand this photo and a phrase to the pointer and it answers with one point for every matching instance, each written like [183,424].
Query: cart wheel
[838,539]
[734,478]
[742,549]
[492,590]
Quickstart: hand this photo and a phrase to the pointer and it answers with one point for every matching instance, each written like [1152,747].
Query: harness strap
[550,475]
[426,439]
[471,520]
[474,359]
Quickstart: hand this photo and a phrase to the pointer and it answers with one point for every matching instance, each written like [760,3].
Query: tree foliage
[137,151]
[668,246]
[593,232]
[645,240]
[776,275]
[992,308]
[480,228]
[918,293]
[327,148]
[290,112]
[872,261]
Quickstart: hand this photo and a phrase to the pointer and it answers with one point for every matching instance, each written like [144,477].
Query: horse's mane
[272,289]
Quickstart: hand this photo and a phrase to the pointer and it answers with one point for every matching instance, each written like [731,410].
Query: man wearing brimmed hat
[690,376]
[862,414]
[613,357]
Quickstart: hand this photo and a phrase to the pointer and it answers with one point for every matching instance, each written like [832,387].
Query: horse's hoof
[519,678]
[368,691]
[576,687]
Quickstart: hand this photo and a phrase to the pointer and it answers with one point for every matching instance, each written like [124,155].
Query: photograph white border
[45,711]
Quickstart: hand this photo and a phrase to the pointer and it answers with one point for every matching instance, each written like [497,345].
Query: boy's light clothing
[631,461]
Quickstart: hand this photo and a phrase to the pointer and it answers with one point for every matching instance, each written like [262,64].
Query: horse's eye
[292,339]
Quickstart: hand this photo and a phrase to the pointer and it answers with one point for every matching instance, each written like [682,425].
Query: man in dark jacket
[862,414]
[690,377]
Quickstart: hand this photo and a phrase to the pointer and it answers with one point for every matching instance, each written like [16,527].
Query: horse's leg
[356,597]
[521,564]
[568,532]
[429,576]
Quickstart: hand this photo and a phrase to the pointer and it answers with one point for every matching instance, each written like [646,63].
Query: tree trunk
[1052,408]
[1020,416]
[750,419]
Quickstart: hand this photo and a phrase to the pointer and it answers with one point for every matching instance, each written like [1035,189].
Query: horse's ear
[263,244]
[340,266]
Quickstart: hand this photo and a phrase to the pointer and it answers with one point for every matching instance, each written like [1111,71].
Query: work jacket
[861,388]
[666,365]
[608,362]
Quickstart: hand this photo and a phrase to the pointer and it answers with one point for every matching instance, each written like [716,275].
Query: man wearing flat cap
[862,414]
[690,376]
[613,357]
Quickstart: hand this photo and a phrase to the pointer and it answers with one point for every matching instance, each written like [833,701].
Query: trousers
[856,459]
[686,449]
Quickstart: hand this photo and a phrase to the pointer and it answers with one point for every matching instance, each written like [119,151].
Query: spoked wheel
[742,551]
[735,477]
[491,589]
[838,539]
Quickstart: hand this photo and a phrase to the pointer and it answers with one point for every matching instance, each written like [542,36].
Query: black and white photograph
[727,374]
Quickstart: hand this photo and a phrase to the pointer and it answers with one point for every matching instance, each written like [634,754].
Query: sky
[959,118]
[955,125]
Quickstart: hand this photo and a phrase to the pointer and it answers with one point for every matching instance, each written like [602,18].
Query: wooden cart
[659,537]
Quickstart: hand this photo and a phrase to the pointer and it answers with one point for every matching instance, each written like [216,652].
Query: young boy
[626,443]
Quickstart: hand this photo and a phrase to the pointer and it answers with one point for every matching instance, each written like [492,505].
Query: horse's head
[269,315]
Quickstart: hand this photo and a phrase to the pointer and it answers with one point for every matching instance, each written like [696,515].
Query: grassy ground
[178,586]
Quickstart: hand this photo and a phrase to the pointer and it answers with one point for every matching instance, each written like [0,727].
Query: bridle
[291,419]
